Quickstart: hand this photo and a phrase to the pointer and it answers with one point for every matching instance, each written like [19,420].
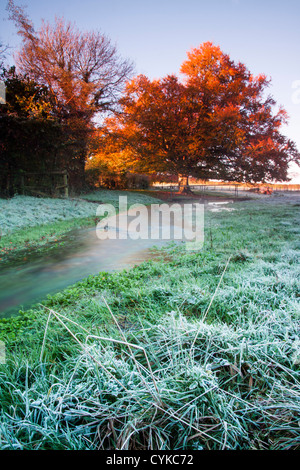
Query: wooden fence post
[66,184]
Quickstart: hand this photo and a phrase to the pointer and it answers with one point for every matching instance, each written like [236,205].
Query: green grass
[191,351]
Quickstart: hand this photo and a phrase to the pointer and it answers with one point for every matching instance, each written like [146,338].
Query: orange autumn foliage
[216,122]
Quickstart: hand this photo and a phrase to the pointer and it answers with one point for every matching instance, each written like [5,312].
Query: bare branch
[82,70]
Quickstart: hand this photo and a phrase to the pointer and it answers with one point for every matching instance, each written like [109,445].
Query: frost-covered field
[112,197]
[193,351]
[26,211]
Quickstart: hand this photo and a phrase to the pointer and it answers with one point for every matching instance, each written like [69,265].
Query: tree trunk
[183,185]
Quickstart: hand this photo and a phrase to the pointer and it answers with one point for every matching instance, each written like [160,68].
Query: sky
[157,34]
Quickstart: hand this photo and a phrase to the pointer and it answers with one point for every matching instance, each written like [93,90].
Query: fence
[228,187]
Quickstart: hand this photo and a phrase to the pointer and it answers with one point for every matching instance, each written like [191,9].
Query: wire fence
[228,187]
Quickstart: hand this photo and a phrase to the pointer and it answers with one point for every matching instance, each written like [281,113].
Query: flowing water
[27,282]
[83,254]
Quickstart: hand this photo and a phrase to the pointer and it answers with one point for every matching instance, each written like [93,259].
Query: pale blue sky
[156,34]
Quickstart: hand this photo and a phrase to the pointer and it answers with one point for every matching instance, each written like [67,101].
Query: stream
[24,283]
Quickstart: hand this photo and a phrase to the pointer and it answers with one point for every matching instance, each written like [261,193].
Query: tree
[83,72]
[216,123]
[108,164]
[30,137]
[244,129]
[157,123]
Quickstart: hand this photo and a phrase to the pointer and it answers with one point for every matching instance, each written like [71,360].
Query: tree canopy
[31,139]
[215,122]
[83,72]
